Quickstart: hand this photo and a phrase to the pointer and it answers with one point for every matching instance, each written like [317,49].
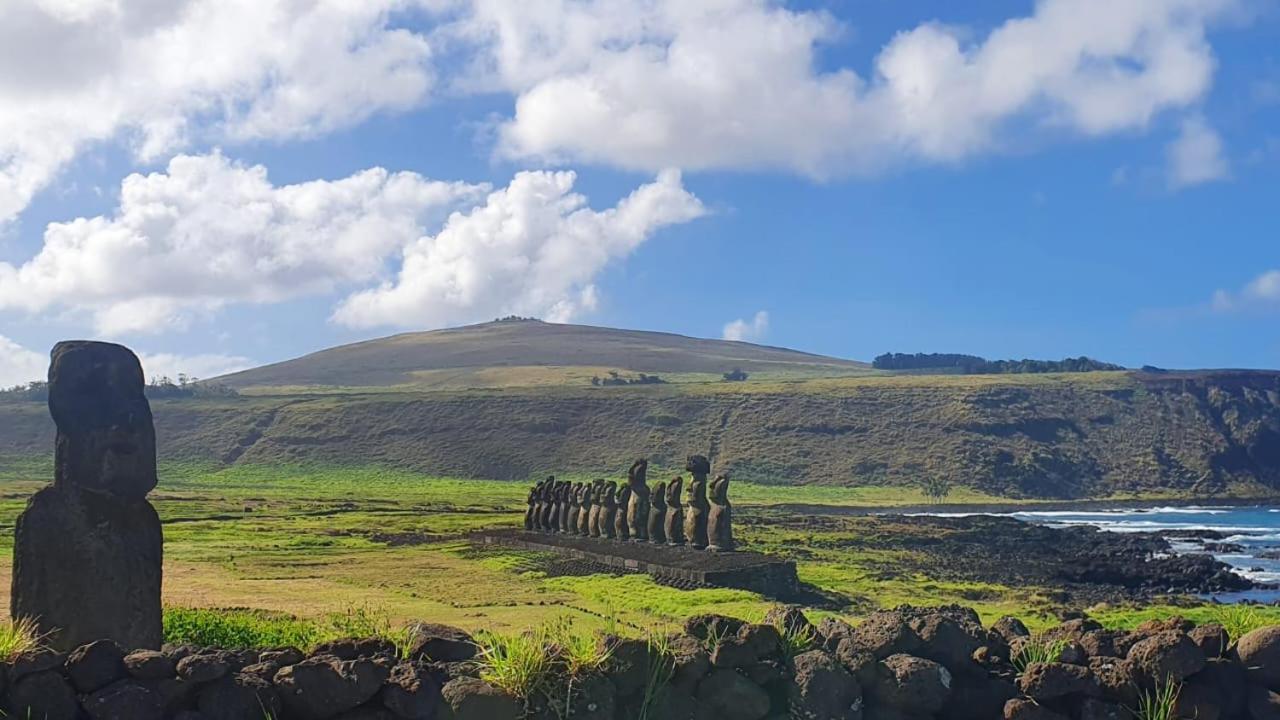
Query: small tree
[936,489]
[736,376]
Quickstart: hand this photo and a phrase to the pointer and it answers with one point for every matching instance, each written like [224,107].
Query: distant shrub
[616,378]
[974,365]
[162,387]
[736,375]
[935,489]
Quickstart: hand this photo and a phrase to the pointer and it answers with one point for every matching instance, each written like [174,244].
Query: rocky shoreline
[902,664]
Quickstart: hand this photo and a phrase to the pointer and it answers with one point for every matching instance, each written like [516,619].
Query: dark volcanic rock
[823,689]
[239,697]
[45,695]
[1047,681]
[410,693]
[1259,650]
[321,687]
[203,668]
[731,696]
[124,700]
[472,699]
[440,643]
[149,665]
[910,684]
[1166,655]
[95,665]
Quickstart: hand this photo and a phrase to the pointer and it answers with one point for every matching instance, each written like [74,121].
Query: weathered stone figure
[658,514]
[720,519]
[638,503]
[548,503]
[608,514]
[597,508]
[621,528]
[539,499]
[575,505]
[695,514]
[531,511]
[588,506]
[87,555]
[674,527]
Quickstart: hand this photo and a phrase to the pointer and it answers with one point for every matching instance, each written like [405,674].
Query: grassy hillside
[1059,436]
[528,352]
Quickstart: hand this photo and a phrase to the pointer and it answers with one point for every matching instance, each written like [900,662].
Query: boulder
[823,690]
[45,695]
[202,668]
[1115,679]
[1095,709]
[789,618]
[123,700]
[1228,678]
[691,663]
[149,665]
[1047,681]
[1263,704]
[629,661]
[321,687]
[353,648]
[440,643]
[1259,651]
[1198,699]
[35,661]
[95,665]
[948,638]
[885,633]
[1009,628]
[751,643]
[473,699]
[710,626]
[977,698]
[239,697]
[282,656]
[1023,709]
[910,684]
[1211,638]
[410,693]
[1166,656]
[860,663]
[594,698]
[831,631]
[730,696]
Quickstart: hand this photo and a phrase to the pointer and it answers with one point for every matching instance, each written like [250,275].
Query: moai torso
[675,513]
[531,511]
[720,519]
[608,515]
[584,513]
[575,506]
[622,528]
[597,508]
[549,512]
[658,514]
[638,504]
[695,515]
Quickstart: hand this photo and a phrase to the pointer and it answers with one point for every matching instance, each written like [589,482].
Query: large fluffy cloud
[162,72]
[533,248]
[208,232]
[737,83]
[752,330]
[19,365]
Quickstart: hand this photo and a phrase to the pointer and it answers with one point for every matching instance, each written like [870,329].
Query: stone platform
[769,576]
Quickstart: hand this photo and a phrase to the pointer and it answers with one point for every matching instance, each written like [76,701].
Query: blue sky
[1008,179]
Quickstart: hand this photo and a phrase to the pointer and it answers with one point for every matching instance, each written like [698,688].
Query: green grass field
[295,549]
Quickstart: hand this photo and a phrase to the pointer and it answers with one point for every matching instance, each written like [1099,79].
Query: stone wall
[904,664]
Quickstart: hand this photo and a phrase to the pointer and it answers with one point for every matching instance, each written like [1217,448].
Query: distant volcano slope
[504,351]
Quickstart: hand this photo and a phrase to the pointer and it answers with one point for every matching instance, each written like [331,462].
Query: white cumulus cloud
[532,248]
[161,73]
[208,232]
[1196,156]
[738,84]
[752,330]
[19,365]
[1262,291]
[203,366]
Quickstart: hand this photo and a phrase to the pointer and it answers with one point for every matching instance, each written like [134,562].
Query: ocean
[1253,531]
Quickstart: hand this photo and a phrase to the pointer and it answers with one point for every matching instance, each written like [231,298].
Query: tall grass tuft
[517,663]
[18,637]
[1159,703]
[1037,650]
[662,665]
[1238,620]
[796,639]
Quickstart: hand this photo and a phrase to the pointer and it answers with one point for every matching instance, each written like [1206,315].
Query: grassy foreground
[300,554]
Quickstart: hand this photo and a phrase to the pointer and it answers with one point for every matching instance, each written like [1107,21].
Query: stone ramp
[681,566]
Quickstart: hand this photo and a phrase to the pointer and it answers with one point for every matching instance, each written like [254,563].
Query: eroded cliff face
[1027,436]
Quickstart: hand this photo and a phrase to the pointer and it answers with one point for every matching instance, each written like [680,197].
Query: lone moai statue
[621,527]
[674,527]
[720,519]
[608,514]
[638,502]
[88,550]
[658,514]
[695,514]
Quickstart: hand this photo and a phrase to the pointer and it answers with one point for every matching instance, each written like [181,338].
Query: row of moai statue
[636,513]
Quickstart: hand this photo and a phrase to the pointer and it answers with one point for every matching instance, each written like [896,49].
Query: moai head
[610,493]
[106,439]
[624,495]
[698,466]
[720,490]
[673,491]
[638,473]
[659,496]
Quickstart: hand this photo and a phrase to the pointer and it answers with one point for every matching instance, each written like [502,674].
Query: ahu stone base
[681,565]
